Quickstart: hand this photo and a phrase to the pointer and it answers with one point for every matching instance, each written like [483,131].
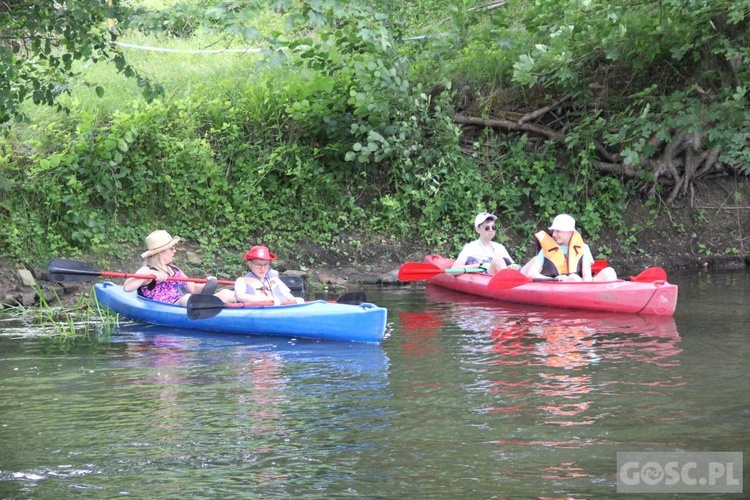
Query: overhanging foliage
[364,118]
[40,43]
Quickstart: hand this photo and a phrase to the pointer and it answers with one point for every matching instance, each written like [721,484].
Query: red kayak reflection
[558,360]
[559,337]
[419,330]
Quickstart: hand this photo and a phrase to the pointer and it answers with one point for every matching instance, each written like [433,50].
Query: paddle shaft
[510,278]
[150,277]
[347,298]
[416,271]
[72,270]
[241,305]
[351,298]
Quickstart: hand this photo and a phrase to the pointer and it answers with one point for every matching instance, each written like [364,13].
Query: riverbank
[711,232]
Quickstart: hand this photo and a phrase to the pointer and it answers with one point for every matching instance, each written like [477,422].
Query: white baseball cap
[483,216]
[563,222]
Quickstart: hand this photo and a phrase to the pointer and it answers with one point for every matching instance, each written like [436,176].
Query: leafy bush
[347,129]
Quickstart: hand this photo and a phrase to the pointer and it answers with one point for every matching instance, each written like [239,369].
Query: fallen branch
[542,111]
[510,125]
[616,168]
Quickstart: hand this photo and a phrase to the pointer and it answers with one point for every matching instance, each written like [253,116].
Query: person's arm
[284,294]
[506,255]
[587,261]
[133,284]
[461,259]
[533,268]
[190,286]
[193,287]
[464,256]
[501,253]
[586,270]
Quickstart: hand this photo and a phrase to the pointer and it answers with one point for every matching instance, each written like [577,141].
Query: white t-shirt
[476,252]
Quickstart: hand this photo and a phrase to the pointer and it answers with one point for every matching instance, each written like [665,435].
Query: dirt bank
[710,230]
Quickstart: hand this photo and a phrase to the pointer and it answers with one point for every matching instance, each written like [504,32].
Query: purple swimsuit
[165,291]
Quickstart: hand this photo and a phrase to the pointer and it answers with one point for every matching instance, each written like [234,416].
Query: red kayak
[653,296]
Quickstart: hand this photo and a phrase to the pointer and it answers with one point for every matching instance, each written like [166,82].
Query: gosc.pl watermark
[679,472]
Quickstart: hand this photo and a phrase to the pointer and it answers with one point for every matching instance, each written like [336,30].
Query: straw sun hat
[158,241]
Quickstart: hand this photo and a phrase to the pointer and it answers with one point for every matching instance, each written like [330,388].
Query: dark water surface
[465,398]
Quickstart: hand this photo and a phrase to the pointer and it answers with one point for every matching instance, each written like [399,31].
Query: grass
[79,318]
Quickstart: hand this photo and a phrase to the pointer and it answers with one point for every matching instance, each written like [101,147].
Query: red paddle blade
[651,274]
[598,265]
[415,271]
[507,278]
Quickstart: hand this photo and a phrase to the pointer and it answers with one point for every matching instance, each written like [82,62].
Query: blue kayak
[314,320]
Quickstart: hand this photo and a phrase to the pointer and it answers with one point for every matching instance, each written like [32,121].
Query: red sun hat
[258,252]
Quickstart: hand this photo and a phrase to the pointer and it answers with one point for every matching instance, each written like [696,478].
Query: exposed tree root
[678,163]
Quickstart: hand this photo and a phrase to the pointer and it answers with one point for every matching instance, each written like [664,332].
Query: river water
[466,397]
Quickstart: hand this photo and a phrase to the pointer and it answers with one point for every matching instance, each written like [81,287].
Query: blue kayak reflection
[252,384]
[169,346]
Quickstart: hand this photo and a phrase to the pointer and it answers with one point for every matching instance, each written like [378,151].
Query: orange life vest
[555,262]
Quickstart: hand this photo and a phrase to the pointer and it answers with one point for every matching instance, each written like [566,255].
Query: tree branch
[542,111]
[616,168]
[510,125]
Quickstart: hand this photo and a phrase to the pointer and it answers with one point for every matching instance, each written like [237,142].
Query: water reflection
[168,400]
[418,331]
[552,337]
[171,346]
[468,397]
[546,362]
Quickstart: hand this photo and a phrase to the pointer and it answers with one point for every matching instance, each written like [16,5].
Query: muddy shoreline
[19,284]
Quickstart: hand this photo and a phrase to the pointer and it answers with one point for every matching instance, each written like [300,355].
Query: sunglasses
[489,228]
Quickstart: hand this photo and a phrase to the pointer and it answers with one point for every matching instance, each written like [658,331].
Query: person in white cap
[564,256]
[483,251]
[158,262]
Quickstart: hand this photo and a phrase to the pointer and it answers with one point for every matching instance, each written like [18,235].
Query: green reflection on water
[465,397]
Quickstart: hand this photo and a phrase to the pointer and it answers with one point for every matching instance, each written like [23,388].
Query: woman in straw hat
[158,262]
[262,283]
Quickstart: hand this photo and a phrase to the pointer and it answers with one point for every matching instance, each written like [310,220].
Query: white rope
[181,51]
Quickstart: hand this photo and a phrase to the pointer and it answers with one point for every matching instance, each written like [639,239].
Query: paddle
[59,270]
[207,306]
[510,278]
[598,265]
[507,279]
[650,275]
[415,271]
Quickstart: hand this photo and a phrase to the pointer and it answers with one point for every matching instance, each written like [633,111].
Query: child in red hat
[262,283]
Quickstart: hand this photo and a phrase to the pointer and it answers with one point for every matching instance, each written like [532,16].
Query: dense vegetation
[357,122]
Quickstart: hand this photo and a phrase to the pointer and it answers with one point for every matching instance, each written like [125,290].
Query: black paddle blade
[353,298]
[201,306]
[59,270]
